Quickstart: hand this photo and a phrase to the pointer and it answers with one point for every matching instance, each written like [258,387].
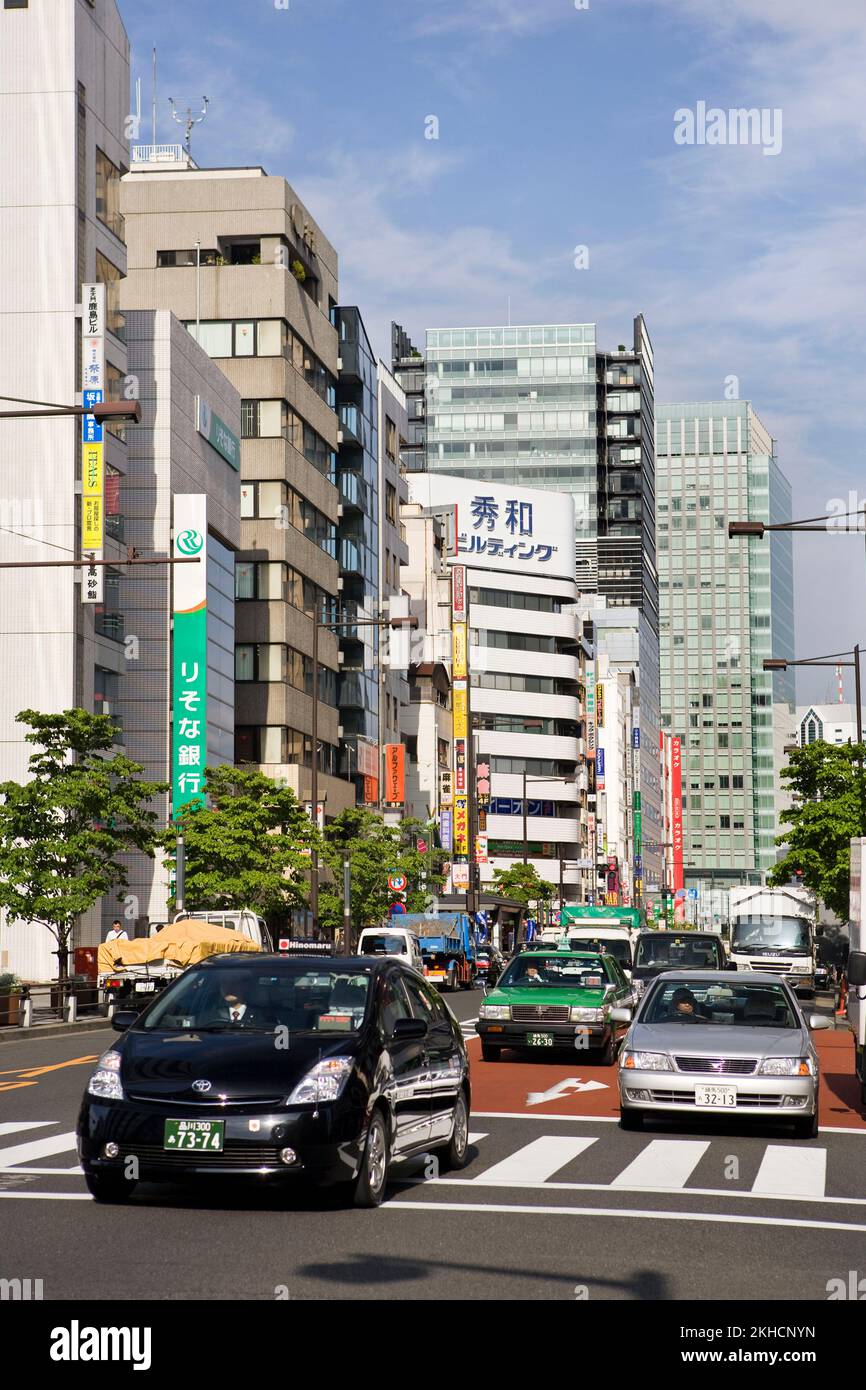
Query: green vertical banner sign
[189,653]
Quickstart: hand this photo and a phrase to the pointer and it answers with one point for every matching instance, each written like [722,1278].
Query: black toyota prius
[271,1066]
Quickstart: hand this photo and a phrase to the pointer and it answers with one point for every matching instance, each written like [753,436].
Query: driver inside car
[684,1007]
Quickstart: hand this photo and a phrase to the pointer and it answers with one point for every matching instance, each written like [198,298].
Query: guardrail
[74,998]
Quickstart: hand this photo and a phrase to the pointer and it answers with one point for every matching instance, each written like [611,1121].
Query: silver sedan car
[717,1043]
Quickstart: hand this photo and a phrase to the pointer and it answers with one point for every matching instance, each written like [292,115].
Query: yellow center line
[15,1085]
[55,1066]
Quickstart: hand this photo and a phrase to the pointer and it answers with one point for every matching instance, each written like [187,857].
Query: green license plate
[202,1135]
[540,1039]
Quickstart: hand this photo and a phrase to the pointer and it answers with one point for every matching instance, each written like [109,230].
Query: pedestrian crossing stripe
[663,1166]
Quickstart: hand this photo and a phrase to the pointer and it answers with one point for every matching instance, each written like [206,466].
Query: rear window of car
[685,951]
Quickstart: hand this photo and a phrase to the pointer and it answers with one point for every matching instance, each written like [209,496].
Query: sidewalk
[52,1028]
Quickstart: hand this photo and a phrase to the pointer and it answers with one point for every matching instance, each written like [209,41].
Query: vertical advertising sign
[461,825]
[92,440]
[189,653]
[677,807]
[395,773]
[446,829]
[599,768]
[458,594]
[459,652]
[599,706]
[590,710]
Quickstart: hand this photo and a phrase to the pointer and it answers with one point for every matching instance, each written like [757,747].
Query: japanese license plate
[716,1097]
[204,1135]
[145,986]
[539,1039]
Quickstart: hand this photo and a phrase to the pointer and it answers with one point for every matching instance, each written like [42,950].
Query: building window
[15,4]
[108,194]
[108,274]
[391,503]
[168,259]
[390,439]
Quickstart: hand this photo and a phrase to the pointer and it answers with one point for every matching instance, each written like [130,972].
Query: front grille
[540,1013]
[774,967]
[687,1098]
[233,1156]
[718,1066]
[269,1102]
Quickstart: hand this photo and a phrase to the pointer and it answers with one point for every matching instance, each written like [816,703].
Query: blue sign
[693,892]
[446,824]
[635,738]
[91,431]
[396,909]
[599,767]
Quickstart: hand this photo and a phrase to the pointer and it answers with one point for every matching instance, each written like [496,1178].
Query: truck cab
[773,929]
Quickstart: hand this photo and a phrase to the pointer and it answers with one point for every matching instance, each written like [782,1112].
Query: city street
[556,1201]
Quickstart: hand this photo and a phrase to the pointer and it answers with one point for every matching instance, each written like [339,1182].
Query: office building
[836,723]
[526,675]
[64,102]
[726,605]
[426,718]
[237,257]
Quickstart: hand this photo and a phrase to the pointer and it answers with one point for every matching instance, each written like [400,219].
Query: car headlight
[494,1011]
[787,1066]
[586,1015]
[105,1081]
[324,1081]
[646,1061]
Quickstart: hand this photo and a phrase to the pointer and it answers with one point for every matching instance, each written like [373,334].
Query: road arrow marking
[564,1088]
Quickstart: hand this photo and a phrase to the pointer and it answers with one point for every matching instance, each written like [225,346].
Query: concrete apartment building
[725,606]
[64,104]
[239,259]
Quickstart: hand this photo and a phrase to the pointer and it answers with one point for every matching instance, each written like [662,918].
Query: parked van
[397,943]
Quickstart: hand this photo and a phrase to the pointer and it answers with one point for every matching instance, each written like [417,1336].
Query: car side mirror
[406,1028]
[620,1015]
[123,1019]
[817,1022]
[857,968]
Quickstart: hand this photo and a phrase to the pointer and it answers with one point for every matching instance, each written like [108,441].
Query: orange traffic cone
[843,999]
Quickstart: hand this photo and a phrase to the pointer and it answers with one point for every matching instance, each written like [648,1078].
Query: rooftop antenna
[840,690]
[153,98]
[509,311]
[189,120]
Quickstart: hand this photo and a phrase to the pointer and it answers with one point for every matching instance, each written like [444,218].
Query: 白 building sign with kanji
[189,653]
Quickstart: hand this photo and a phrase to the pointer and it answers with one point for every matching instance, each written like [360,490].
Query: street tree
[828,786]
[523,883]
[249,846]
[64,830]
[375,850]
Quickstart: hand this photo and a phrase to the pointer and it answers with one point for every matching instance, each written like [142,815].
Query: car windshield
[556,969]
[297,995]
[708,1001]
[765,935]
[620,950]
[683,952]
[383,944]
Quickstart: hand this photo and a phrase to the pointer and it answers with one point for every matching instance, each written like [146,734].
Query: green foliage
[9,984]
[63,831]
[829,810]
[523,883]
[374,850]
[246,847]
[299,272]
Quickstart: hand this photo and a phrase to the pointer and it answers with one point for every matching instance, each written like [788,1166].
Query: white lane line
[792,1172]
[704,1216]
[729,1193]
[663,1163]
[535,1162]
[17,1154]
[475,1138]
[522,1115]
[46,1196]
[17,1126]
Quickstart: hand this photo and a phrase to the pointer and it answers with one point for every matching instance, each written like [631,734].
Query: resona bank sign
[520,529]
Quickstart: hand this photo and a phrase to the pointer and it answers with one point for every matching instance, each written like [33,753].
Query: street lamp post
[773,663]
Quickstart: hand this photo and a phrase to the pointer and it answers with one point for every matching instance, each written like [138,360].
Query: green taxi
[553,998]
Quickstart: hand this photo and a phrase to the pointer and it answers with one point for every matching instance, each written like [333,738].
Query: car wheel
[455,1154]
[630,1119]
[807,1127]
[490,1054]
[372,1180]
[109,1187]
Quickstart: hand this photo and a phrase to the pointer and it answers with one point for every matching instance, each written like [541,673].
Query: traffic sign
[397,882]
[397,908]
[693,892]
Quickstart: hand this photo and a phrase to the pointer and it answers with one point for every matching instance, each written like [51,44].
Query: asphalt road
[552,1206]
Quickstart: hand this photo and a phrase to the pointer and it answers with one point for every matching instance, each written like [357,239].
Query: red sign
[395,772]
[677,813]
[458,593]
[371,790]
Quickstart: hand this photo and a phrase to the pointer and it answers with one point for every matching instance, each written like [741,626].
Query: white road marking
[46,1196]
[564,1088]
[728,1192]
[667,1163]
[475,1138]
[789,1172]
[16,1126]
[711,1217]
[522,1115]
[535,1162]
[17,1154]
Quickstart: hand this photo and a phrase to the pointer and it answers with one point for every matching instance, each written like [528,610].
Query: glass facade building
[725,606]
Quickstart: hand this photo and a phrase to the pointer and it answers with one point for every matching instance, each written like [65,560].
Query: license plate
[202,1135]
[145,986]
[540,1039]
[436,975]
[716,1097]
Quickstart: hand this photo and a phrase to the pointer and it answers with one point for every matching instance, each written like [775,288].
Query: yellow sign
[599,705]
[92,488]
[461,825]
[460,701]
[91,524]
[459,653]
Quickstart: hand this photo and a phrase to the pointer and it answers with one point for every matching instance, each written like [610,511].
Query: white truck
[773,929]
[857,961]
[398,943]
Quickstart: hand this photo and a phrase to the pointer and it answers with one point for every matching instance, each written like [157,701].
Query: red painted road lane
[504,1087]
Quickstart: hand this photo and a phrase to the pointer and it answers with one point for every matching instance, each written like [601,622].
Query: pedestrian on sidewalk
[117,932]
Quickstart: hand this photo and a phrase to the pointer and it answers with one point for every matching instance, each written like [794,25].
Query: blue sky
[556,129]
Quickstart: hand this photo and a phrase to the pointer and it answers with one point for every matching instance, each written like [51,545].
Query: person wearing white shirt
[117,932]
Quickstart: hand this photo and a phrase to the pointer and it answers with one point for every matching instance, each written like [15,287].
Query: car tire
[372,1180]
[455,1154]
[630,1119]
[109,1187]
[807,1127]
[490,1054]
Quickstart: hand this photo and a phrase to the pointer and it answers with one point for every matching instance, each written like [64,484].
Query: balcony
[110,625]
